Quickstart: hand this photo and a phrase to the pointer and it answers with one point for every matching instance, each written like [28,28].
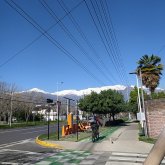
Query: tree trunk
[113,116]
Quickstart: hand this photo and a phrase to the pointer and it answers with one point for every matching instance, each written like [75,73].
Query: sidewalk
[121,148]
[122,140]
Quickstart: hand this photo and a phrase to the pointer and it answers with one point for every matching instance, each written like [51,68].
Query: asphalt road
[18,134]
[17,146]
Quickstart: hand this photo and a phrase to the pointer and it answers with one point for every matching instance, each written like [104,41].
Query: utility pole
[11,108]
[58,110]
[143,105]
[77,118]
[49,101]
[139,100]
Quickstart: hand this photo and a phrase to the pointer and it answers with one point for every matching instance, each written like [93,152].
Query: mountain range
[77,94]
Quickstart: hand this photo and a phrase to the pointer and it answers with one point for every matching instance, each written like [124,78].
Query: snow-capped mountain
[77,94]
[89,90]
[37,90]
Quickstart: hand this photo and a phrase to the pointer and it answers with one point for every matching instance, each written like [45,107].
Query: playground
[77,130]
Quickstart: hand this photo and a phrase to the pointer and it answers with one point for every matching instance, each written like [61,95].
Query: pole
[67,109]
[68,104]
[57,94]
[77,120]
[142,95]
[139,101]
[48,120]
[58,131]
[11,108]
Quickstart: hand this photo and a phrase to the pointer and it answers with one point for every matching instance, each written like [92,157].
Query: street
[17,134]
[17,146]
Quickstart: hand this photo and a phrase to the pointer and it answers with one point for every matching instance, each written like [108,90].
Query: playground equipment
[73,128]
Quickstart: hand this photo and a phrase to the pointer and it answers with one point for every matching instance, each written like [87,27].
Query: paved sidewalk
[122,140]
[121,148]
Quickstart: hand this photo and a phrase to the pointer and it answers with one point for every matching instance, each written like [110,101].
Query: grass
[104,132]
[25,124]
[147,139]
[143,138]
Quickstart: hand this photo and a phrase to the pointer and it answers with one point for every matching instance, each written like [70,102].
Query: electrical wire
[73,39]
[28,18]
[38,37]
[107,36]
[100,35]
[90,45]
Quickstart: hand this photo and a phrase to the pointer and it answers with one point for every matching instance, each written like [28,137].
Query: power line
[28,18]
[106,10]
[105,32]
[38,37]
[101,37]
[69,34]
[109,36]
[80,31]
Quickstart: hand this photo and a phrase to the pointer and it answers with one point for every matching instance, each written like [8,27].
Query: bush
[115,122]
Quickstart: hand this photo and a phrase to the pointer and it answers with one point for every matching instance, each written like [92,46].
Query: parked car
[91,119]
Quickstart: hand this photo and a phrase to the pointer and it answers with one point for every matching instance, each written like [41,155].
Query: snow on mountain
[37,90]
[88,90]
[74,94]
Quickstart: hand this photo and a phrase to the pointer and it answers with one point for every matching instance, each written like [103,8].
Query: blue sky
[139,29]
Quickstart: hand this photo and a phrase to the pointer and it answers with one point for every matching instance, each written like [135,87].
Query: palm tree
[151,71]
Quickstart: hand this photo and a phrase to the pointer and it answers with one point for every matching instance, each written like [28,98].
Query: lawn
[26,124]
[82,136]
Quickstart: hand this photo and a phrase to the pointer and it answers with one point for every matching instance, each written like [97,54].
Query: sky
[82,43]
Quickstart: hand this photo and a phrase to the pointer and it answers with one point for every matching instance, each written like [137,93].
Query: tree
[107,102]
[133,101]
[89,103]
[151,71]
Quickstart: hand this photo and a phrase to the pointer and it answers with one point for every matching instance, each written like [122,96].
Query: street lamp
[139,100]
[143,109]
[142,113]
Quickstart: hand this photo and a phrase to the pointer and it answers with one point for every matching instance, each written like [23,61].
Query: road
[17,146]
[14,135]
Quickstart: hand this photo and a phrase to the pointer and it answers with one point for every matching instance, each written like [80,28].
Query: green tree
[158,95]
[133,101]
[89,103]
[107,102]
[151,71]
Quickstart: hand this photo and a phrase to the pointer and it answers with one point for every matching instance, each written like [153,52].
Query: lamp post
[139,100]
[143,105]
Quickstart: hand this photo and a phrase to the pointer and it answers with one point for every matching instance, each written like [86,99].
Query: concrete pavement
[123,139]
[121,148]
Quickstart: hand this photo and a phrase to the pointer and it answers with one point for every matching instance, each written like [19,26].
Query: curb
[47,144]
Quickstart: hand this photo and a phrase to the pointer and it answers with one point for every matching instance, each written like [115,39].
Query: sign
[141,116]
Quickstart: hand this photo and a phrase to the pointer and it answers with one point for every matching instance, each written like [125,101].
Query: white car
[91,119]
